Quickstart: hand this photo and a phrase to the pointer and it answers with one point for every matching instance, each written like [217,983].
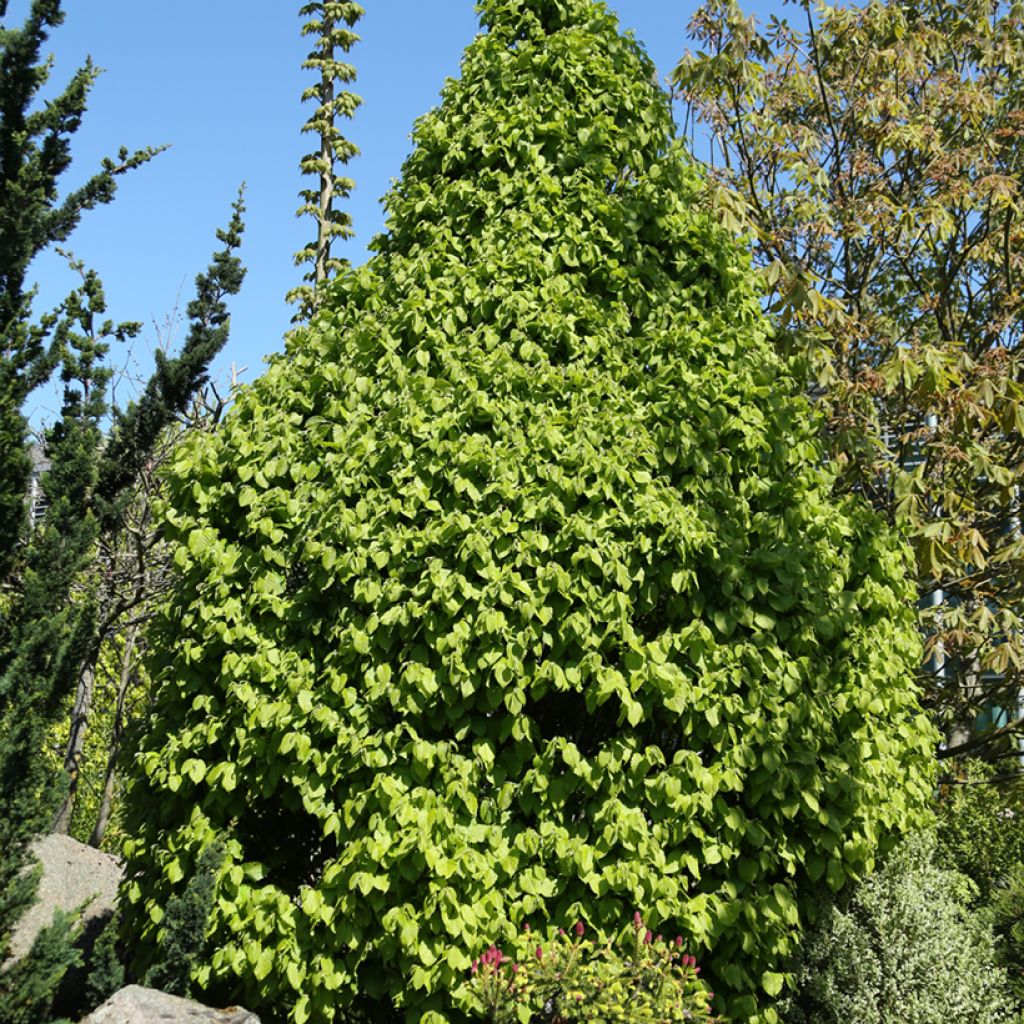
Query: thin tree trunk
[323,238]
[110,778]
[76,741]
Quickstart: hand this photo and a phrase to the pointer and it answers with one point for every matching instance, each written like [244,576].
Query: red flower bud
[579,927]
[647,937]
[679,941]
[515,968]
[638,921]
[658,939]
[540,952]
[561,931]
[526,926]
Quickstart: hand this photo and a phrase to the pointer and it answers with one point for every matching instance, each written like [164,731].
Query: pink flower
[540,952]
[638,921]
[515,968]
[647,937]
[658,939]
[679,941]
[526,926]
[579,928]
[561,931]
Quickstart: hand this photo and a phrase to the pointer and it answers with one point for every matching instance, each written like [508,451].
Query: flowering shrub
[575,978]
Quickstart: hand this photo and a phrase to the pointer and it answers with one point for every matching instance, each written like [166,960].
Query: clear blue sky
[220,80]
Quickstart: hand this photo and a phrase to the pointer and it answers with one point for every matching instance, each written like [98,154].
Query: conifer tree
[515,592]
[330,24]
[34,153]
[49,612]
[54,623]
[130,442]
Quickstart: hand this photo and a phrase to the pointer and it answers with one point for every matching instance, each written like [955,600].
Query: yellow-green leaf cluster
[514,588]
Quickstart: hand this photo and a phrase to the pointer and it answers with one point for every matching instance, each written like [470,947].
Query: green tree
[51,621]
[330,24]
[876,156]
[34,152]
[50,614]
[514,589]
[123,463]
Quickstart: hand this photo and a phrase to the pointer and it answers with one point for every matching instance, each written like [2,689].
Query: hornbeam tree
[516,592]
[330,23]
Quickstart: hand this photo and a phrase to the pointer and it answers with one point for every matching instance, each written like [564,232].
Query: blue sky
[219,80]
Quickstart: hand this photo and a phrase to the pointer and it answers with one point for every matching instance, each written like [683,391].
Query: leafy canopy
[514,588]
[875,153]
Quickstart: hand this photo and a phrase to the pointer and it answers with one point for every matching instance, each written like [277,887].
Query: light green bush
[903,947]
[515,587]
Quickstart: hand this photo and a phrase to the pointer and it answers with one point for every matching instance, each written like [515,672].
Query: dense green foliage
[634,978]
[106,970]
[28,986]
[184,933]
[981,826]
[875,153]
[981,834]
[515,588]
[903,948]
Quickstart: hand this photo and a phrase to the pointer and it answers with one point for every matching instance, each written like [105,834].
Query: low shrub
[1007,917]
[981,834]
[904,947]
[981,826]
[646,980]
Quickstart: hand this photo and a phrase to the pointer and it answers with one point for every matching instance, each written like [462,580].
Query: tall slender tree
[49,610]
[121,460]
[330,23]
[34,153]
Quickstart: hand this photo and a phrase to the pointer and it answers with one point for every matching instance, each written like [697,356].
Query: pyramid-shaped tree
[514,590]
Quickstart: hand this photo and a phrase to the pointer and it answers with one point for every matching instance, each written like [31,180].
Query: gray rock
[137,1005]
[72,874]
